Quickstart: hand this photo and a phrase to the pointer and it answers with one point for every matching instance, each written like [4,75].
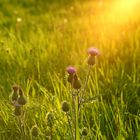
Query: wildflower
[65,106]
[93,51]
[73,78]
[71,70]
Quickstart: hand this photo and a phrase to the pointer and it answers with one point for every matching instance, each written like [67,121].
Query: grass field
[39,39]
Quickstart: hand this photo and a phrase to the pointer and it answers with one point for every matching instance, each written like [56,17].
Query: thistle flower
[93,51]
[73,78]
[71,70]
[65,106]
[34,131]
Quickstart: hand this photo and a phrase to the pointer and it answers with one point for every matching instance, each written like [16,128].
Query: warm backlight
[118,18]
[124,10]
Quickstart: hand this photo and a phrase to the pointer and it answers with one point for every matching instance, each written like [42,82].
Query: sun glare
[119,18]
[125,9]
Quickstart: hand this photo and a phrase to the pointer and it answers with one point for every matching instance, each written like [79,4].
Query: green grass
[35,52]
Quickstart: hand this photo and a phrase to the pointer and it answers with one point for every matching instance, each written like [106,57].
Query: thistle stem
[84,89]
[70,126]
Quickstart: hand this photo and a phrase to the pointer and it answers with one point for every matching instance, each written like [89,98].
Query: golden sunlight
[125,9]
[119,18]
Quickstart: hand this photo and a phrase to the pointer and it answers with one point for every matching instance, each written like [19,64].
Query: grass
[35,52]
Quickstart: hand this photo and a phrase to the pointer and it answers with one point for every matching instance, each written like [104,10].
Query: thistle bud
[91,60]
[14,96]
[22,100]
[17,110]
[34,131]
[76,83]
[65,106]
[70,78]
[15,88]
[21,92]
[84,131]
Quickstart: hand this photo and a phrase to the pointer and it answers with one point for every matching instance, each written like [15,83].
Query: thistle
[14,96]
[21,100]
[73,78]
[93,52]
[15,89]
[34,131]
[76,82]
[84,131]
[78,95]
[17,110]
[65,106]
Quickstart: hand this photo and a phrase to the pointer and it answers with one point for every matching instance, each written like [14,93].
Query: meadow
[40,39]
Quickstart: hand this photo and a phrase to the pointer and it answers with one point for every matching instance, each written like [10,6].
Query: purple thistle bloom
[93,51]
[71,70]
